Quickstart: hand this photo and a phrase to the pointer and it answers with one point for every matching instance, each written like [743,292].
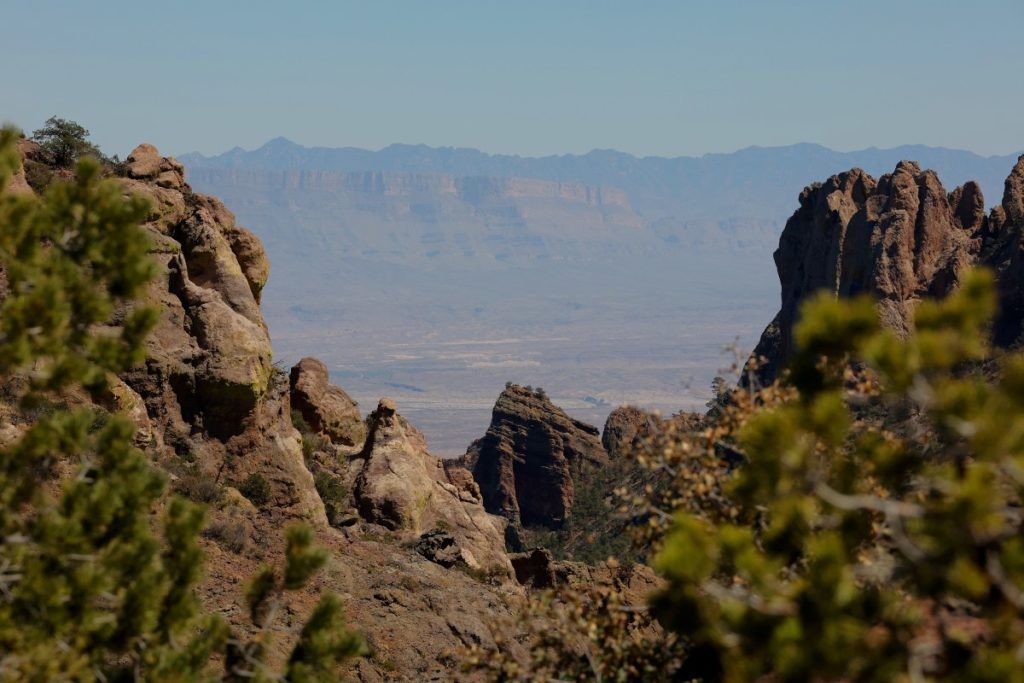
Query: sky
[520,77]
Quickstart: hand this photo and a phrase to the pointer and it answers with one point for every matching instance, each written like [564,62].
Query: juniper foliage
[873,531]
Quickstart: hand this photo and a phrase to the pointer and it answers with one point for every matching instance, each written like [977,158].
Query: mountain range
[435,275]
[751,182]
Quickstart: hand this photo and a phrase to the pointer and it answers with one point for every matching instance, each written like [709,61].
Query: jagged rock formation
[526,462]
[215,415]
[404,488]
[206,402]
[1003,250]
[325,407]
[900,239]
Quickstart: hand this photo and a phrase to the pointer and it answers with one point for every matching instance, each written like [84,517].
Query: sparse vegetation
[597,529]
[199,487]
[868,531]
[332,492]
[255,488]
[230,534]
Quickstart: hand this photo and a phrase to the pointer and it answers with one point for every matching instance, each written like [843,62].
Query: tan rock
[325,407]
[144,162]
[18,184]
[404,488]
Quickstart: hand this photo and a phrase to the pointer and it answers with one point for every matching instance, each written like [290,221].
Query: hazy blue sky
[521,77]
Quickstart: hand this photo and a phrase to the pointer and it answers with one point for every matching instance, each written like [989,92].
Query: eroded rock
[526,462]
[326,408]
[404,488]
[899,239]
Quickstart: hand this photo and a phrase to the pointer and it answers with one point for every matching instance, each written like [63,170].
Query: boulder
[440,547]
[326,408]
[145,163]
[623,426]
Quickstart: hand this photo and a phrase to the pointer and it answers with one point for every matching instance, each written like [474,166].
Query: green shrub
[332,492]
[859,521]
[65,142]
[255,488]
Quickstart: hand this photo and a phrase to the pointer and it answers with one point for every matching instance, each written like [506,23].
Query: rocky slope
[419,561]
[900,238]
[527,461]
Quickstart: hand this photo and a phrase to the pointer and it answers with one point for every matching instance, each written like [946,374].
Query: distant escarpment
[900,238]
[527,461]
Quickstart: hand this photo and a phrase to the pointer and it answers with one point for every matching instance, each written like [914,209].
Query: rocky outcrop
[535,569]
[209,359]
[526,462]
[623,426]
[899,239]
[626,428]
[18,183]
[206,402]
[405,489]
[327,409]
[1003,250]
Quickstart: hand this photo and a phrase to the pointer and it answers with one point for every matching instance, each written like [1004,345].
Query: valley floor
[593,340]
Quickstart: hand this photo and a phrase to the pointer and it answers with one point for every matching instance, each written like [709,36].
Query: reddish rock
[1003,251]
[624,424]
[627,426]
[899,239]
[326,408]
[526,462]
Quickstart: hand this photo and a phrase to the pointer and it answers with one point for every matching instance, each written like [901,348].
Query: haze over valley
[435,275]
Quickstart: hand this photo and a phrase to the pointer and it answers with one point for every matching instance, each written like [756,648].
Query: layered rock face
[526,462]
[404,488]
[900,239]
[325,407]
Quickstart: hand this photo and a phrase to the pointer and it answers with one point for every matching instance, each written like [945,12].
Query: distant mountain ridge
[436,275]
[754,182]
